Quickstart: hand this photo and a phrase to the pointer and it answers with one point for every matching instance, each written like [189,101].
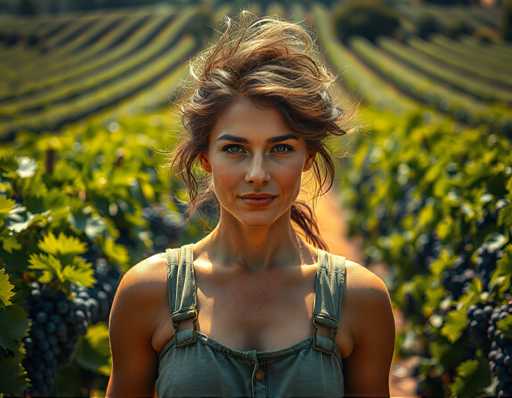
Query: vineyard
[87,120]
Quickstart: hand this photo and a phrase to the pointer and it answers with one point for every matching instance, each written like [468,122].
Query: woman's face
[252,150]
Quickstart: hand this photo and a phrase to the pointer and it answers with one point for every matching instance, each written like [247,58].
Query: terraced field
[84,65]
[460,79]
[59,70]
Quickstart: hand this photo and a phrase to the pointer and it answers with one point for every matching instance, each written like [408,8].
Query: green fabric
[193,365]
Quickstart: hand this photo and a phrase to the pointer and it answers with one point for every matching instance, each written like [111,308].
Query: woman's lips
[258,202]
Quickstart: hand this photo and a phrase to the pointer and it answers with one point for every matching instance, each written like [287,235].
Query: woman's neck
[255,249]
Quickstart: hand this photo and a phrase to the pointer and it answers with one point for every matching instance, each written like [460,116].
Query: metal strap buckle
[191,332]
[178,317]
[331,337]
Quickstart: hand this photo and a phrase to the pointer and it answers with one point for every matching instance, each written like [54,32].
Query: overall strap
[329,289]
[181,291]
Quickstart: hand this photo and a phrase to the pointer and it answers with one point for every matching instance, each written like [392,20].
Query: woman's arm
[131,325]
[366,370]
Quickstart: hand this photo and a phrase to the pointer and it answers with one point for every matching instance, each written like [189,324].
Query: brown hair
[270,61]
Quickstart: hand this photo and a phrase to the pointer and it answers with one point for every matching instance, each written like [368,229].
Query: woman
[252,309]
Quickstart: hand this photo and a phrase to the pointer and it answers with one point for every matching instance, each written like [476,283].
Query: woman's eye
[286,146]
[227,147]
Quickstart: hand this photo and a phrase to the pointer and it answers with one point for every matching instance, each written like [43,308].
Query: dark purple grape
[500,356]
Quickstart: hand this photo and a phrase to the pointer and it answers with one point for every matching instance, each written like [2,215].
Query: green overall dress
[193,365]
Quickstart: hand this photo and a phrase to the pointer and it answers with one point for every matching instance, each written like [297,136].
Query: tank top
[193,365]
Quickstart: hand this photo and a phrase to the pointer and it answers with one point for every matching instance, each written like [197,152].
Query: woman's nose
[257,171]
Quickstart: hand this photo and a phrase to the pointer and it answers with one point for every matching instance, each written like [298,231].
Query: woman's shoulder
[364,283]
[145,282]
[147,268]
[366,293]
[361,284]
[357,276]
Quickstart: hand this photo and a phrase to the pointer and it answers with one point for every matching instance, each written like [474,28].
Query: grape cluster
[490,216]
[428,249]
[500,355]
[456,278]
[411,306]
[487,256]
[429,386]
[165,225]
[479,316]
[96,301]
[56,324]
[57,321]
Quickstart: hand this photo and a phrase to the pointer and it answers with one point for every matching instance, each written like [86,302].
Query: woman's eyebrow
[277,138]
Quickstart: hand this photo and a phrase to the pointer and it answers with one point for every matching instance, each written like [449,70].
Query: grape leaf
[472,377]
[50,265]
[14,325]
[81,272]
[93,350]
[117,253]
[31,219]
[501,277]
[505,325]
[10,243]
[62,245]
[505,216]
[6,205]
[13,378]
[456,322]
[6,288]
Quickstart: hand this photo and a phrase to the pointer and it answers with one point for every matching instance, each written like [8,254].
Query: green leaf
[13,378]
[81,272]
[505,325]
[443,261]
[6,288]
[502,275]
[505,216]
[62,245]
[456,322]
[31,219]
[425,216]
[10,243]
[14,326]
[19,226]
[50,265]
[148,190]
[117,253]
[6,205]
[472,376]
[445,227]
[93,352]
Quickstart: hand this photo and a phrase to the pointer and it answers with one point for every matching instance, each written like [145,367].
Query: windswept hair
[272,62]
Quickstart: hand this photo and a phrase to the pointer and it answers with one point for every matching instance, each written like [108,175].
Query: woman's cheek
[292,172]
[226,181]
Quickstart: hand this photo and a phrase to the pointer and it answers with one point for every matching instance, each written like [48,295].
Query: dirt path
[332,224]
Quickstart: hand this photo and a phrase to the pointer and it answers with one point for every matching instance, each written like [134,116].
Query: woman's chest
[265,315]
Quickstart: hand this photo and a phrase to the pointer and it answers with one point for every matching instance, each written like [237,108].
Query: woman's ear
[203,158]
[309,160]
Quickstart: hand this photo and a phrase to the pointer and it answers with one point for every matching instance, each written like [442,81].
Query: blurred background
[423,190]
